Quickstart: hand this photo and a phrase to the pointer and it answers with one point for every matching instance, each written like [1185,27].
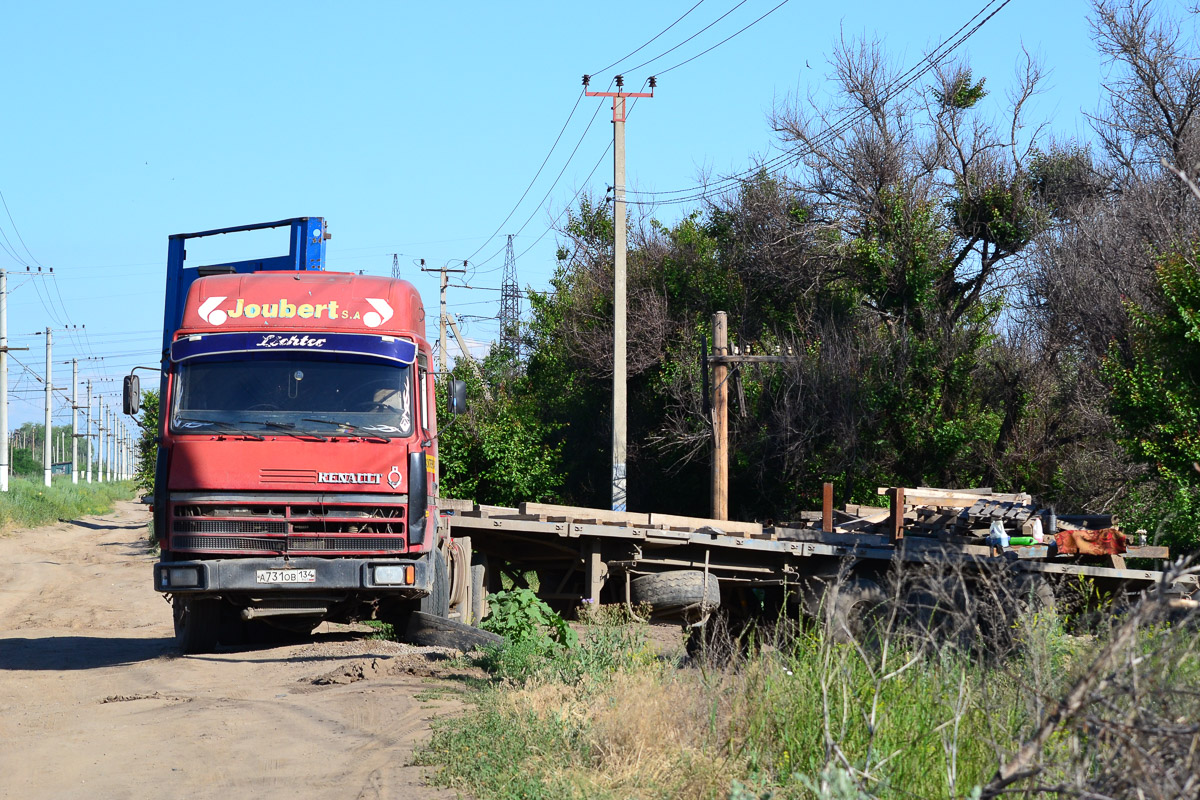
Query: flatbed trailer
[583,555]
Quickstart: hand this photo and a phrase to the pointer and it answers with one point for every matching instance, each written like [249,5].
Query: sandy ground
[96,702]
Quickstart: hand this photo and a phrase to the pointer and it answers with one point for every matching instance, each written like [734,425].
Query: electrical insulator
[620,81]
[653,82]
[586,80]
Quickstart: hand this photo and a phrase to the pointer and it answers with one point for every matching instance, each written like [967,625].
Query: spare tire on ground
[685,595]
[428,630]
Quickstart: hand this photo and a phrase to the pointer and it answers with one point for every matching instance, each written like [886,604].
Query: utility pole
[443,366]
[88,428]
[6,457]
[49,397]
[470,359]
[74,421]
[722,358]
[720,412]
[101,427]
[620,412]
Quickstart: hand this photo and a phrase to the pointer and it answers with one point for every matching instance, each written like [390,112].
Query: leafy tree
[496,453]
[1155,387]
[147,446]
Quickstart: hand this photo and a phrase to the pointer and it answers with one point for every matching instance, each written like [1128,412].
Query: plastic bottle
[1035,530]
[997,536]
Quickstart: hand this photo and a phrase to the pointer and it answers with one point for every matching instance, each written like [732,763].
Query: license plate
[286,575]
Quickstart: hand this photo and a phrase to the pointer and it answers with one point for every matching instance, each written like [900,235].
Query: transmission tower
[510,303]
[395,265]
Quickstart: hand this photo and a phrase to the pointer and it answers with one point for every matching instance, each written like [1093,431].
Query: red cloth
[1106,542]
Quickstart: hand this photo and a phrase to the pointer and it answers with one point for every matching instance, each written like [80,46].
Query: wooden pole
[896,519]
[827,508]
[720,411]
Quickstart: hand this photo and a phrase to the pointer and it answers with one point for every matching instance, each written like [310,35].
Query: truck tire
[428,630]
[679,595]
[437,602]
[197,624]
[855,610]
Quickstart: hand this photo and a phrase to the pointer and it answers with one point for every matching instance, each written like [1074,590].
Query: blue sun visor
[388,348]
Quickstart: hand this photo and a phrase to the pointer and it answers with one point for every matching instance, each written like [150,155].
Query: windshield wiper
[355,429]
[224,426]
[286,427]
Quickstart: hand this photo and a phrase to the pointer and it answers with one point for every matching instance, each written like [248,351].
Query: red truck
[297,439]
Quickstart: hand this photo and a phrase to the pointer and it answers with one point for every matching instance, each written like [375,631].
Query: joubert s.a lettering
[211,312]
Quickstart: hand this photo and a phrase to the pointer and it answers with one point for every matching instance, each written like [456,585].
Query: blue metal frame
[306,254]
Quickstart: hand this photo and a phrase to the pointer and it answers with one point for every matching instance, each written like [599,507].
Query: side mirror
[458,397]
[131,395]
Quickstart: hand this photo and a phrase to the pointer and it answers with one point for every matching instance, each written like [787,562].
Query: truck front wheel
[437,602]
[197,624]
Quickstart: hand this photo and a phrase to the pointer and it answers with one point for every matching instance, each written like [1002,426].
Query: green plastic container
[1021,541]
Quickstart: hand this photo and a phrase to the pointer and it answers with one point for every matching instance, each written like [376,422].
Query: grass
[806,717]
[30,504]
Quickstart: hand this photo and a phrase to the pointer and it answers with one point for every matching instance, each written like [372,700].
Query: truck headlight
[395,575]
[182,577]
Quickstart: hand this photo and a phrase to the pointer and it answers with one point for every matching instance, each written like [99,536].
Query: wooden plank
[934,497]
[695,523]
[1147,551]
[578,513]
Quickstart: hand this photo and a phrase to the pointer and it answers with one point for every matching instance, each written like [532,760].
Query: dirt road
[96,702]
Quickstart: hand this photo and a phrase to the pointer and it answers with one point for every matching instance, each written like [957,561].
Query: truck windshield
[294,393]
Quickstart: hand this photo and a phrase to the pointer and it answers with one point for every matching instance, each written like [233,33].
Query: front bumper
[227,575]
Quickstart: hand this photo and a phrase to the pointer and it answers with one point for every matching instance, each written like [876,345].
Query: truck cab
[297,441]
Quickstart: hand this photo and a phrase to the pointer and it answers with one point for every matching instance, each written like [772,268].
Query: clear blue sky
[412,127]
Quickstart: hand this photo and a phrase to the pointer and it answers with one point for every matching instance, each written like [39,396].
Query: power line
[16,231]
[570,116]
[723,41]
[771,166]
[647,43]
[693,36]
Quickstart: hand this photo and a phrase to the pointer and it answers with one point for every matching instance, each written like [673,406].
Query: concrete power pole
[46,467]
[101,427]
[443,360]
[620,412]
[6,459]
[87,427]
[74,421]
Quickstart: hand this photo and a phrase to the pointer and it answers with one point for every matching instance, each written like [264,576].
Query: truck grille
[292,544]
[298,527]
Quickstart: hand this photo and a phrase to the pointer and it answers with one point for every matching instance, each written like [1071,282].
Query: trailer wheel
[685,595]
[197,624]
[437,602]
[855,610]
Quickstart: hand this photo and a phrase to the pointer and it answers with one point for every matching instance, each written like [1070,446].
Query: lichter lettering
[293,340]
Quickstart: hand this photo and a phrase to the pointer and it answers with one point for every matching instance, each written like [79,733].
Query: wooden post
[897,518]
[827,508]
[597,573]
[720,412]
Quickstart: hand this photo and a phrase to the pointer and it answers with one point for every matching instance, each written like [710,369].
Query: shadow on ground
[80,652]
[93,526]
